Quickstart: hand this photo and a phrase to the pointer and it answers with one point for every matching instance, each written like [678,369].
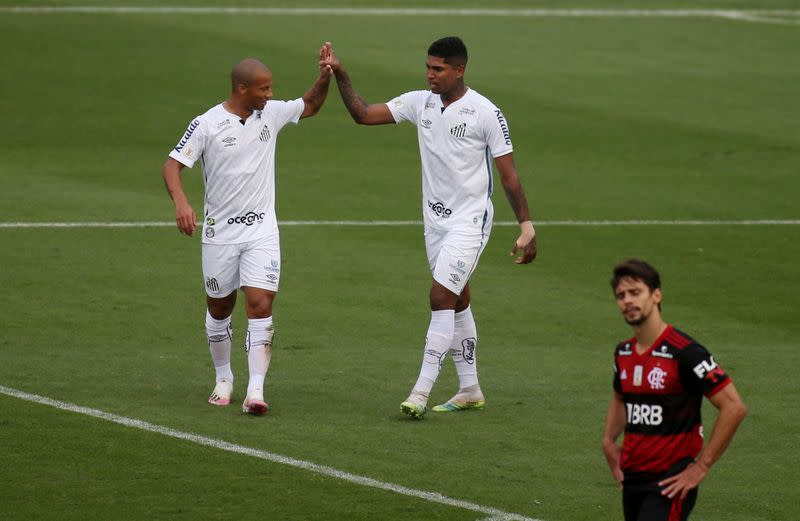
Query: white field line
[587,223]
[746,15]
[763,18]
[433,497]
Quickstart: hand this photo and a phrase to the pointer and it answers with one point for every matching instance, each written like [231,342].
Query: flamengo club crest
[656,378]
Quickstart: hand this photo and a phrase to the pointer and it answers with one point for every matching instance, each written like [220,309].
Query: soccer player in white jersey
[459,133]
[235,141]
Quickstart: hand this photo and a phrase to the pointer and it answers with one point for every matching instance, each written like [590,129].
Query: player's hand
[526,243]
[328,63]
[613,453]
[185,219]
[618,475]
[683,482]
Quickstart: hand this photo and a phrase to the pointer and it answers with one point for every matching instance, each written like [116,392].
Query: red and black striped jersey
[663,389]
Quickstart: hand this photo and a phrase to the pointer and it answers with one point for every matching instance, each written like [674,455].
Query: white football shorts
[227,267]
[453,254]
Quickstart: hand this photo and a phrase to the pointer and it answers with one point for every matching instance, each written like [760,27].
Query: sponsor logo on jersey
[503,126]
[625,351]
[248,219]
[469,111]
[212,284]
[398,102]
[656,378]
[430,105]
[708,369]
[426,123]
[459,267]
[662,353]
[210,232]
[210,221]
[459,130]
[272,266]
[189,131]
[229,141]
[264,135]
[644,414]
[637,375]
[468,349]
[223,123]
[439,209]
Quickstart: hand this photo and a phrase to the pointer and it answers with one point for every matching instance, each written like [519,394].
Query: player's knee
[220,310]
[259,308]
[442,298]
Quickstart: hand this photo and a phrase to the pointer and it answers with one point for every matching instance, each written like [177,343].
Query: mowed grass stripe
[323,470]
[651,222]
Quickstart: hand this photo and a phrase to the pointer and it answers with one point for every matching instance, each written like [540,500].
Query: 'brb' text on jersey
[238,168]
[456,147]
[663,391]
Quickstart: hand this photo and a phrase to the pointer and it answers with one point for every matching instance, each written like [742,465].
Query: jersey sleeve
[616,382]
[285,112]
[191,145]
[498,138]
[405,107]
[701,371]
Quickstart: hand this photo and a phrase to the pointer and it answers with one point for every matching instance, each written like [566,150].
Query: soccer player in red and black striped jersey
[660,378]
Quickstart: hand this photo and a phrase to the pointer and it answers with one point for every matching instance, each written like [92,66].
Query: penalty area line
[324,470]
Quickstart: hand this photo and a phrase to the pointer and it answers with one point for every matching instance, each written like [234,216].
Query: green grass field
[613,118]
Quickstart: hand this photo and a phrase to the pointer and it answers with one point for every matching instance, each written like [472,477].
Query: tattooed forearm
[352,100]
[315,96]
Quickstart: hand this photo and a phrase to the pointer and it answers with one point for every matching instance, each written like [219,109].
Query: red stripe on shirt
[653,454]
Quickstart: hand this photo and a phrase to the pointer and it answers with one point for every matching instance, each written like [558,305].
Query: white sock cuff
[442,315]
[255,323]
[216,327]
[259,332]
[441,328]
[465,315]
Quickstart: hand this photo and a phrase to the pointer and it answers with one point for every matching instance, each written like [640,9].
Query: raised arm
[362,113]
[315,96]
[185,217]
[526,243]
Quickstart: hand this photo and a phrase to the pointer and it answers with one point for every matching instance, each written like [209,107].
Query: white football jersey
[238,168]
[456,148]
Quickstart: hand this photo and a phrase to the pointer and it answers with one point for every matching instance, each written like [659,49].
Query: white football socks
[259,353]
[437,343]
[464,347]
[219,333]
